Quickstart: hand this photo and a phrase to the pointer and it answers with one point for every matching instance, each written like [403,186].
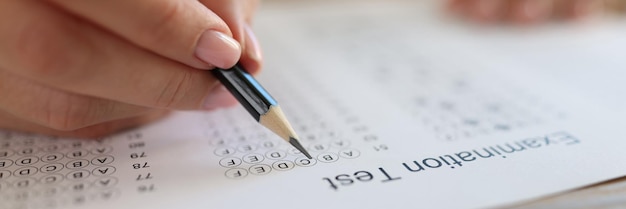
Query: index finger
[182,30]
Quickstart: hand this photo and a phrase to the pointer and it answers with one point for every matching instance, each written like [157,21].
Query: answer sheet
[400,108]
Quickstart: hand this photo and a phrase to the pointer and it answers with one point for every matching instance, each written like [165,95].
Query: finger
[583,8]
[618,6]
[249,8]
[456,6]
[238,15]
[530,11]
[460,8]
[57,109]
[66,53]
[183,30]
[487,10]
[575,9]
[10,122]
[219,98]
[232,13]
[559,8]
[252,57]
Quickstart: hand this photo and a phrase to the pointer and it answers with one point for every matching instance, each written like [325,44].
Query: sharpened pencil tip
[295,143]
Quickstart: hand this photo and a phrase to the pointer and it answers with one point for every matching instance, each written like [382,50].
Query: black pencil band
[246,90]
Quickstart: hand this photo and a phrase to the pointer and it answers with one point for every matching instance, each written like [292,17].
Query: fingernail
[217,98]
[218,49]
[252,45]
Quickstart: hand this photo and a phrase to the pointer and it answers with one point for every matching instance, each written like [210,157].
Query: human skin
[86,68]
[524,11]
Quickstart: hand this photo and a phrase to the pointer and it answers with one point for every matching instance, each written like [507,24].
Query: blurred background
[585,50]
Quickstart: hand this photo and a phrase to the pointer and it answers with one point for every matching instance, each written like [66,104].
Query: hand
[85,68]
[524,11]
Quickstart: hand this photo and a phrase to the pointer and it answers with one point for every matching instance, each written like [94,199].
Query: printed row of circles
[243,138]
[260,169]
[27,141]
[316,147]
[281,165]
[54,184]
[80,163]
[256,158]
[77,174]
[45,143]
[74,153]
[32,200]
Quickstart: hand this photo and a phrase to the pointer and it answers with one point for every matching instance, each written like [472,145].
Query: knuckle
[44,51]
[173,93]
[65,112]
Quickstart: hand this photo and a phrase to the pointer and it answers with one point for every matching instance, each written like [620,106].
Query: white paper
[399,107]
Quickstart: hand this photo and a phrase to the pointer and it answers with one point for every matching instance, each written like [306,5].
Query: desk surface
[608,194]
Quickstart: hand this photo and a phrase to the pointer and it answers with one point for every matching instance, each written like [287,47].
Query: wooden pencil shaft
[276,121]
[259,103]
[252,96]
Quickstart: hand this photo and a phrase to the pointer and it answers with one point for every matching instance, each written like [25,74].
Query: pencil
[259,103]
